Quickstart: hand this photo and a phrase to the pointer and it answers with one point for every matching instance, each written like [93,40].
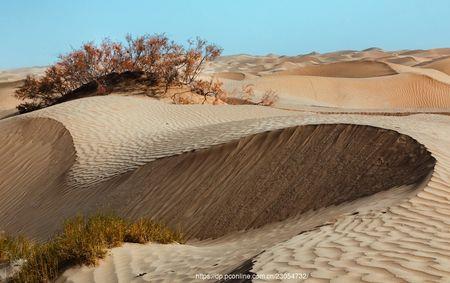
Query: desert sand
[346,178]
[9,81]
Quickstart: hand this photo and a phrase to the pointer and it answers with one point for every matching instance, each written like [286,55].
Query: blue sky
[34,32]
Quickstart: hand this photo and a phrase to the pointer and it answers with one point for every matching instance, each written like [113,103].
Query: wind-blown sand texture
[337,196]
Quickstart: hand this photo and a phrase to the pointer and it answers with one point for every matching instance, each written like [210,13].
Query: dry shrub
[247,96]
[269,98]
[83,240]
[162,62]
[248,93]
[204,88]
[183,98]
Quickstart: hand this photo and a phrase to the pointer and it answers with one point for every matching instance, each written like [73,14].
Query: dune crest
[348,69]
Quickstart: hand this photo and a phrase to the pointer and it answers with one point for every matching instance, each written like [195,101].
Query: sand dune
[13,75]
[354,232]
[270,64]
[431,73]
[230,76]
[371,79]
[404,60]
[42,148]
[428,202]
[274,173]
[337,196]
[350,69]
[442,65]
[8,102]
[429,53]
[402,91]
[9,81]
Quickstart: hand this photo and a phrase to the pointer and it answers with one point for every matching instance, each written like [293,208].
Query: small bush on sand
[269,98]
[162,63]
[247,96]
[83,240]
[208,88]
[248,93]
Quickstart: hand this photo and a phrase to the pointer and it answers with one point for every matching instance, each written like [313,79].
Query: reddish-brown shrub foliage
[208,88]
[162,62]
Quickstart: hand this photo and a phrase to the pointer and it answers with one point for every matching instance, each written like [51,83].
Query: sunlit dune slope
[396,92]
[442,65]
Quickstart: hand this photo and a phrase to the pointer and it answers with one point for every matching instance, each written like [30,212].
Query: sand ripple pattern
[390,239]
[407,243]
[145,129]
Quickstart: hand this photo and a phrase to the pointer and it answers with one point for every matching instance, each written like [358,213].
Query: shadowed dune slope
[404,60]
[230,76]
[243,184]
[35,155]
[350,69]
[391,236]
[271,176]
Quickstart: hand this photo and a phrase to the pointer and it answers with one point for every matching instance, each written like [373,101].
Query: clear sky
[34,32]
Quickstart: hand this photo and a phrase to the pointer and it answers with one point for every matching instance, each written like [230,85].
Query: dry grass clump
[83,240]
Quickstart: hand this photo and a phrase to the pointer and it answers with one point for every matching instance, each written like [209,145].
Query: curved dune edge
[348,69]
[440,64]
[269,177]
[378,240]
[230,76]
[431,73]
[36,153]
[142,130]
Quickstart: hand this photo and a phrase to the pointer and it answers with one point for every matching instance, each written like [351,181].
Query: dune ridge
[440,64]
[346,69]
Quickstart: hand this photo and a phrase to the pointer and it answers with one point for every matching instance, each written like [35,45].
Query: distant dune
[442,65]
[13,75]
[350,69]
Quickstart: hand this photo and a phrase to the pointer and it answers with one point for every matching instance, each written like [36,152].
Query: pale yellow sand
[352,243]
[13,75]
[391,239]
[396,92]
[348,69]
[9,81]
[87,153]
[439,64]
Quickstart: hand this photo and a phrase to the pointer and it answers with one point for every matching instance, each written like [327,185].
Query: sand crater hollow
[271,176]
